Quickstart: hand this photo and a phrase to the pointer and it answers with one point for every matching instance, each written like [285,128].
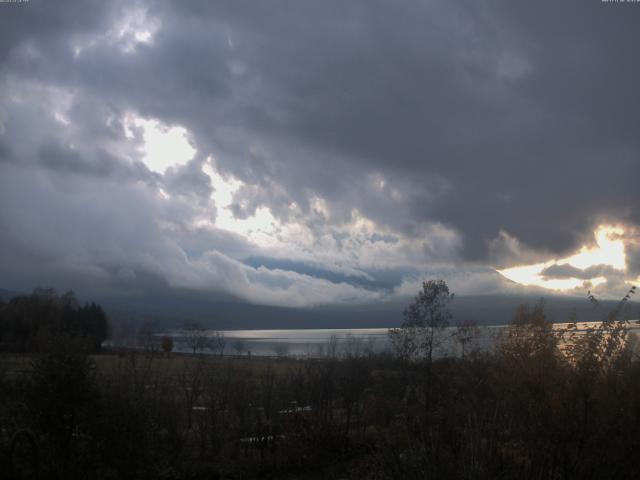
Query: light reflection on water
[317,342]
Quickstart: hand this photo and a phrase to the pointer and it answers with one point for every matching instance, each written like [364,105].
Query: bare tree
[191,379]
[424,323]
[600,347]
[195,338]
[352,346]
[238,346]
[465,334]
[529,336]
[332,348]
[422,331]
[216,343]
[147,337]
[166,343]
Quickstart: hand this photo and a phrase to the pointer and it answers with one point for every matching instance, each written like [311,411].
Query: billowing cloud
[353,148]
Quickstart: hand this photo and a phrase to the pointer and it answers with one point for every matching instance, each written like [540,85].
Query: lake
[320,342]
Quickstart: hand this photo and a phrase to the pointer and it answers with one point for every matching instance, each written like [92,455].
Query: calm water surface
[321,342]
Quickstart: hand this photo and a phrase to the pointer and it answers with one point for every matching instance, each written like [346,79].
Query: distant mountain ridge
[230,314]
[173,308]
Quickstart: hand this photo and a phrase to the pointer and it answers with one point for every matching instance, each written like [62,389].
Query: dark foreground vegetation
[28,320]
[542,404]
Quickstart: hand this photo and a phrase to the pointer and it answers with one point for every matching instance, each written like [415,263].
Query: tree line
[26,321]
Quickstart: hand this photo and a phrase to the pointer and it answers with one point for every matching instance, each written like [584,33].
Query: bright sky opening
[164,146]
[609,251]
[259,228]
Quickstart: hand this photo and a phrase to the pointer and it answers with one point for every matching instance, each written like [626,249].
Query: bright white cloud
[163,146]
[130,30]
[609,251]
[259,228]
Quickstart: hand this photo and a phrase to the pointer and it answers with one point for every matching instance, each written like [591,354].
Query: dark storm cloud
[633,260]
[480,118]
[64,159]
[49,22]
[568,271]
[488,115]
[189,180]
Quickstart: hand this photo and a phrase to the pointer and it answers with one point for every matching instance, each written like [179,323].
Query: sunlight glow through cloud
[260,228]
[609,251]
[164,146]
[134,28]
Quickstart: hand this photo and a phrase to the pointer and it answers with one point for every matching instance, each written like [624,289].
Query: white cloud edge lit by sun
[132,29]
[163,146]
[609,251]
[260,228]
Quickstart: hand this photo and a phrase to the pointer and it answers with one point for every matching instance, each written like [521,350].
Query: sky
[307,153]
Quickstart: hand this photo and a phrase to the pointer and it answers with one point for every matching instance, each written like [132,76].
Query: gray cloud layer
[446,124]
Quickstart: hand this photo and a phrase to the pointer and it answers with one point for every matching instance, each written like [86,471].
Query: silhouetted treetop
[24,318]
